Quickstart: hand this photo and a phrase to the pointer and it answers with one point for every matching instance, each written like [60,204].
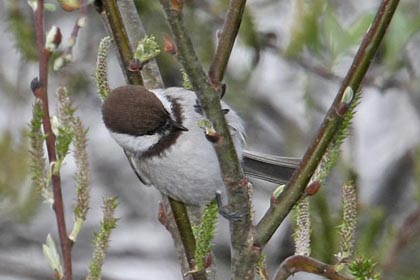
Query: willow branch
[331,124]
[184,223]
[135,32]
[187,238]
[80,22]
[179,227]
[226,40]
[243,255]
[297,263]
[116,28]
[172,215]
[40,90]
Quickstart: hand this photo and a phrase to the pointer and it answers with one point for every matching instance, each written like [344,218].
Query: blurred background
[285,70]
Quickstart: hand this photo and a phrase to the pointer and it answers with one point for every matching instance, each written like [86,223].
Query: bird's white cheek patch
[139,144]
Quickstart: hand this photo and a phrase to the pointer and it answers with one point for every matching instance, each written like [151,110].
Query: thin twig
[124,50]
[75,32]
[187,238]
[243,254]
[41,92]
[135,32]
[226,40]
[297,263]
[331,124]
[172,216]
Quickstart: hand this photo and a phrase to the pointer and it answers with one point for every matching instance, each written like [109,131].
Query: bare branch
[187,238]
[41,91]
[135,32]
[226,40]
[113,20]
[294,264]
[67,55]
[243,255]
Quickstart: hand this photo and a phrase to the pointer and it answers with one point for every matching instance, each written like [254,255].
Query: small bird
[158,130]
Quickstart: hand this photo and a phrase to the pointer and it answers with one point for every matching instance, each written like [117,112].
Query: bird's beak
[179,126]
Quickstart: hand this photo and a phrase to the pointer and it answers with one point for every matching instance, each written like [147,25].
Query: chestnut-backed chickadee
[158,130]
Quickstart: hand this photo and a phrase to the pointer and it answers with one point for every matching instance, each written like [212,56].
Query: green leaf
[64,139]
[363,269]
[50,252]
[147,49]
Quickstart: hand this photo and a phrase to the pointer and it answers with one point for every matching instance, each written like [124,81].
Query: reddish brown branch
[41,92]
[76,29]
[294,264]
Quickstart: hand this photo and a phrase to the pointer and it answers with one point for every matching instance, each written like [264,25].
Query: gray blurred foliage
[285,69]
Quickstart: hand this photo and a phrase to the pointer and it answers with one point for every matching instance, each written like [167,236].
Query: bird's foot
[226,211]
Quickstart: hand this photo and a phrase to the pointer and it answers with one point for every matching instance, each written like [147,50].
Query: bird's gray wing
[269,168]
[142,177]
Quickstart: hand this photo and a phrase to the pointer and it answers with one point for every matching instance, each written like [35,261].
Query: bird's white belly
[178,174]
